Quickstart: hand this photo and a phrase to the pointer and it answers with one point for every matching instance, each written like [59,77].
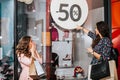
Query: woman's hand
[33,48]
[35,53]
[90,50]
[82,28]
[79,28]
[96,55]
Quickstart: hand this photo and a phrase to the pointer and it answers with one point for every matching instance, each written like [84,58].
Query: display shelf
[62,48]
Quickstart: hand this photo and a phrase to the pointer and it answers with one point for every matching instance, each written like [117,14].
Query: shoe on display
[68,57]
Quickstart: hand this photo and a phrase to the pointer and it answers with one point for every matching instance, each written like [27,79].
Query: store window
[31,21]
[6,39]
[34,19]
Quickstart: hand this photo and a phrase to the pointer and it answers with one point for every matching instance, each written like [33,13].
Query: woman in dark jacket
[101,45]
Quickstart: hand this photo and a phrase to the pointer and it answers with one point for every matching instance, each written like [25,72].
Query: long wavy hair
[23,46]
[103,30]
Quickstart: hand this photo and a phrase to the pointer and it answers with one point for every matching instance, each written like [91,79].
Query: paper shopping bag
[32,71]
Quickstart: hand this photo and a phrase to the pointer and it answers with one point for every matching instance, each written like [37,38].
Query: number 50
[72,12]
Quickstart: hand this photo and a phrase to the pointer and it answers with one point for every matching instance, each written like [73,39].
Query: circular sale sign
[69,13]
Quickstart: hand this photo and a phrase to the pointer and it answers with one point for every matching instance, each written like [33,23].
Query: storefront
[52,28]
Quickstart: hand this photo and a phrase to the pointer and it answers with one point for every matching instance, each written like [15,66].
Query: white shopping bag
[39,69]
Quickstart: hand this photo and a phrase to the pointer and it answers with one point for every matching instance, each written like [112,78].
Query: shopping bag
[113,71]
[32,71]
[39,69]
[100,70]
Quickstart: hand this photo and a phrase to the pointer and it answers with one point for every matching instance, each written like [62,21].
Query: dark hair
[23,46]
[103,30]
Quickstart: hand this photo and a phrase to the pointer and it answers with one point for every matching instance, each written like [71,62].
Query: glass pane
[31,20]
[6,39]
